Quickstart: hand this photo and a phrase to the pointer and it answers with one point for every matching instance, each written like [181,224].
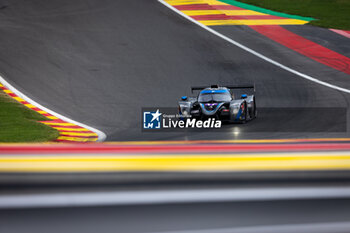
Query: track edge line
[255,52]
[101,135]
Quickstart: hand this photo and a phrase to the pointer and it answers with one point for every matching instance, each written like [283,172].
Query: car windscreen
[218,97]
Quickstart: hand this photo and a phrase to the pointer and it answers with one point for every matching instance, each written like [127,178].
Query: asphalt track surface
[248,217]
[100,61]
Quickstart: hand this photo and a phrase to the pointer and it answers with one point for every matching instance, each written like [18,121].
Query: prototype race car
[219,103]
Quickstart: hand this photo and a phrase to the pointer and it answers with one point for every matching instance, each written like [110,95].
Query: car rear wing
[231,87]
[198,88]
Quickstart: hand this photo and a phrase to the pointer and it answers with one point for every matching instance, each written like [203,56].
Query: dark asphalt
[180,217]
[324,37]
[100,61]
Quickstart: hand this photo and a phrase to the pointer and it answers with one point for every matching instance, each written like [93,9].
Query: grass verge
[19,124]
[327,13]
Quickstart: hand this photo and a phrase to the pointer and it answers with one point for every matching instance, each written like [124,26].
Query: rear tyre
[254,110]
[245,113]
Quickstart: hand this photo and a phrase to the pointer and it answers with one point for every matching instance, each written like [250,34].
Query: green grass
[328,13]
[19,124]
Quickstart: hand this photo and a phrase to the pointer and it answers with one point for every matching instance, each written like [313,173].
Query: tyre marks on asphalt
[217,13]
[305,47]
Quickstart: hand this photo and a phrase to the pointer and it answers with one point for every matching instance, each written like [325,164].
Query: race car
[219,103]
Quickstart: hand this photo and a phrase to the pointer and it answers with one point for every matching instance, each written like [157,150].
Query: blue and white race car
[219,103]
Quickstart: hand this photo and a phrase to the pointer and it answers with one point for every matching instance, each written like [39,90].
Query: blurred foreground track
[220,186]
[214,156]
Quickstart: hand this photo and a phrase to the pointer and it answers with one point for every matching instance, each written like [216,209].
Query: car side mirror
[244,96]
[184,98]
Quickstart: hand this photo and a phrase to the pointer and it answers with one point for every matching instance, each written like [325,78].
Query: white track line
[169,196]
[101,135]
[254,52]
[327,227]
[341,32]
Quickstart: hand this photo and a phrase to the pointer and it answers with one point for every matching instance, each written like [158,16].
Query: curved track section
[100,61]
[69,130]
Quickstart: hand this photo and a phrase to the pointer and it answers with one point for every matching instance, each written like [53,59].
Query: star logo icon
[151,119]
[156,115]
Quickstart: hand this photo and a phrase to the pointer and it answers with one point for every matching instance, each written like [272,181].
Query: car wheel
[254,110]
[245,113]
